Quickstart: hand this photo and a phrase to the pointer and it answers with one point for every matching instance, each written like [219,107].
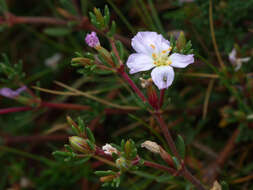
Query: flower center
[161,59]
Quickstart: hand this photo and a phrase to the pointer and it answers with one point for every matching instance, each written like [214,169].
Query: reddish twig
[82,23]
[161,98]
[134,87]
[14,109]
[160,167]
[167,135]
[65,106]
[211,172]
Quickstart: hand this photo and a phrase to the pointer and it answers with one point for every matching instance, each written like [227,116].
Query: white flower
[53,61]
[153,51]
[237,62]
[108,149]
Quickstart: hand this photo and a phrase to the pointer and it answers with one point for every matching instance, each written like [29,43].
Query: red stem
[167,136]
[14,109]
[134,87]
[160,167]
[161,97]
[64,106]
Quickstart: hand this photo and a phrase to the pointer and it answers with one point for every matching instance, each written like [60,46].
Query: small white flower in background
[53,61]
[25,182]
[216,186]
[151,146]
[108,149]
[234,60]
[153,52]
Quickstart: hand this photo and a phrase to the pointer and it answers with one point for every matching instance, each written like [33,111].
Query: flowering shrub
[100,99]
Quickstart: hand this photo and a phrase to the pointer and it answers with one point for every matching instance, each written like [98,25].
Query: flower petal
[139,62]
[162,76]
[244,60]
[232,56]
[149,42]
[8,93]
[180,60]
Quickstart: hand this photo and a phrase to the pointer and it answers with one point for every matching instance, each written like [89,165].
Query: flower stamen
[153,46]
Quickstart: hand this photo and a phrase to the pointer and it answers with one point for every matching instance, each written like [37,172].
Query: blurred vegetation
[210,108]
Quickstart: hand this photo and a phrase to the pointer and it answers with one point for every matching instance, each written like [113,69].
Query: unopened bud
[128,148]
[92,40]
[152,97]
[107,178]
[79,144]
[82,60]
[181,41]
[151,146]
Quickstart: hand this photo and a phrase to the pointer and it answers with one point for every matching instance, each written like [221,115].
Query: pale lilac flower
[108,149]
[9,93]
[234,60]
[153,52]
[92,40]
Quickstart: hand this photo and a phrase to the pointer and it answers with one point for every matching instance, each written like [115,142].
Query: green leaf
[61,153]
[57,31]
[68,147]
[180,146]
[120,49]
[81,124]
[114,58]
[89,134]
[104,173]
[176,162]
[145,175]
[112,29]
[122,145]
[91,145]
[106,15]
[75,130]
[164,178]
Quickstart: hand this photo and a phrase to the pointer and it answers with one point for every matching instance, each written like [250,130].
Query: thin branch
[213,35]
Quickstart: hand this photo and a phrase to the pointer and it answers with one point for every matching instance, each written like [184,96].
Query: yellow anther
[153,55]
[153,46]
[164,51]
[170,48]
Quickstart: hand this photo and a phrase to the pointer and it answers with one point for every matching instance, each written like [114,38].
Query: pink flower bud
[92,40]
